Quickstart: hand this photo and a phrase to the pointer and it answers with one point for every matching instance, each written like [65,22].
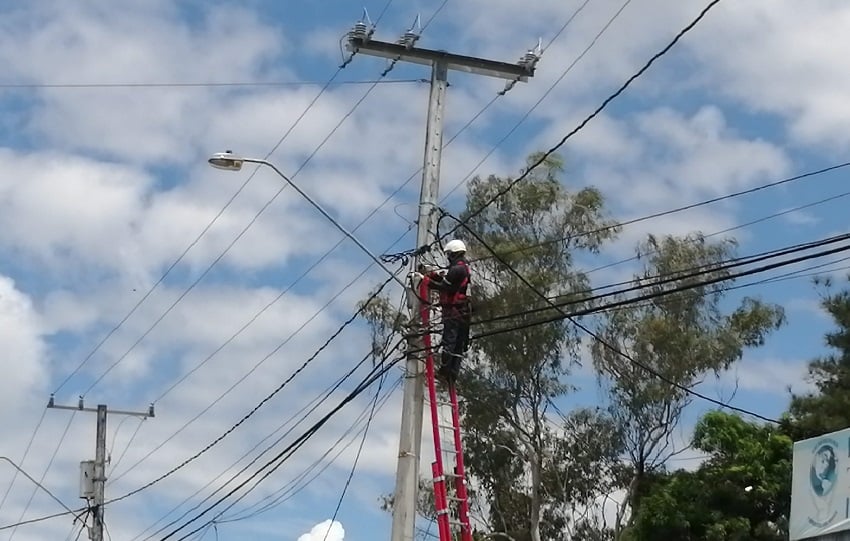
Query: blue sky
[104,187]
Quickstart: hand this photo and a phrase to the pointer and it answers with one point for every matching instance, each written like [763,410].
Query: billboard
[820,489]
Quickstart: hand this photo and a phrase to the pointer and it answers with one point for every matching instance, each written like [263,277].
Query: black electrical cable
[268,448]
[622,354]
[544,156]
[278,460]
[672,277]
[691,206]
[268,397]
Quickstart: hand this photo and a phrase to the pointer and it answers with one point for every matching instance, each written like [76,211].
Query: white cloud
[25,353]
[325,531]
[102,189]
[771,376]
[745,50]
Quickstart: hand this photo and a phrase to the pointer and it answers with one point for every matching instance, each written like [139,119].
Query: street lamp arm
[227,160]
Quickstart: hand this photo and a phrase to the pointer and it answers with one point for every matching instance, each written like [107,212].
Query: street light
[228,161]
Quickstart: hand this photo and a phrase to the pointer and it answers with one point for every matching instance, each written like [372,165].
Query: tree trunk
[536,504]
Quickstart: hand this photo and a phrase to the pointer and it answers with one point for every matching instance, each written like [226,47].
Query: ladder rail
[460,480]
[437,468]
[441,498]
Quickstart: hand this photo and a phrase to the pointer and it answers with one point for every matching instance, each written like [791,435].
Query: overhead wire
[201,235]
[304,164]
[44,475]
[266,450]
[608,345]
[23,458]
[114,465]
[256,408]
[691,206]
[292,488]
[791,275]
[278,460]
[40,484]
[356,456]
[545,94]
[198,84]
[686,286]
[268,203]
[545,155]
[312,405]
[258,364]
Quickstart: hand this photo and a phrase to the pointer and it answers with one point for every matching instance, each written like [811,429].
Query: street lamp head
[226,160]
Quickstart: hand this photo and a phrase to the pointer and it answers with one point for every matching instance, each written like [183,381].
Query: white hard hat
[454,246]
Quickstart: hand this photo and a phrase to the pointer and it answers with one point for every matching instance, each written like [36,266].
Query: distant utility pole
[93,472]
[360,41]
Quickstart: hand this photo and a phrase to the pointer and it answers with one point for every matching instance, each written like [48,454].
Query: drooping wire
[43,475]
[268,203]
[290,490]
[691,206]
[278,460]
[265,400]
[198,238]
[356,456]
[540,100]
[23,457]
[646,368]
[544,156]
[266,450]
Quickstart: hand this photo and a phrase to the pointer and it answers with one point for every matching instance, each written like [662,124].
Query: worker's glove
[416,278]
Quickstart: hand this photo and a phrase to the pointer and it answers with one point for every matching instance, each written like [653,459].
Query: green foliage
[828,408]
[712,503]
[511,378]
[683,336]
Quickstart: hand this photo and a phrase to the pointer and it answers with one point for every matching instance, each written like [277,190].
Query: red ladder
[449,518]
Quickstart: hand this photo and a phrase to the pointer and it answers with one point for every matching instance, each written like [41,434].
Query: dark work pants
[455,341]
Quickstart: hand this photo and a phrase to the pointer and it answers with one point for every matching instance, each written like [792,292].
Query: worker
[452,284]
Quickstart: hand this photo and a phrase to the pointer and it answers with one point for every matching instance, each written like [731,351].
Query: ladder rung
[450,427]
[452,451]
[453,499]
[456,476]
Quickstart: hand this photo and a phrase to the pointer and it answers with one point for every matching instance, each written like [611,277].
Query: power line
[126,447]
[24,457]
[41,519]
[256,366]
[268,203]
[40,485]
[356,456]
[278,460]
[267,449]
[43,475]
[195,242]
[127,85]
[260,404]
[592,115]
[677,276]
[684,287]
[620,353]
[691,206]
[312,405]
[288,491]
[545,94]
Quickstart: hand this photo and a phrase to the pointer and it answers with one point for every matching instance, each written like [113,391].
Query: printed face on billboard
[820,492]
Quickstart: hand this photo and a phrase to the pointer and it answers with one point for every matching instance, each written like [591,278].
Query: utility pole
[93,473]
[360,41]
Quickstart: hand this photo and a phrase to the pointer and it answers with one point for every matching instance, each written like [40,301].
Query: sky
[109,111]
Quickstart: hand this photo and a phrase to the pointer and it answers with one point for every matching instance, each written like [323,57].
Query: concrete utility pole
[93,473]
[359,41]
